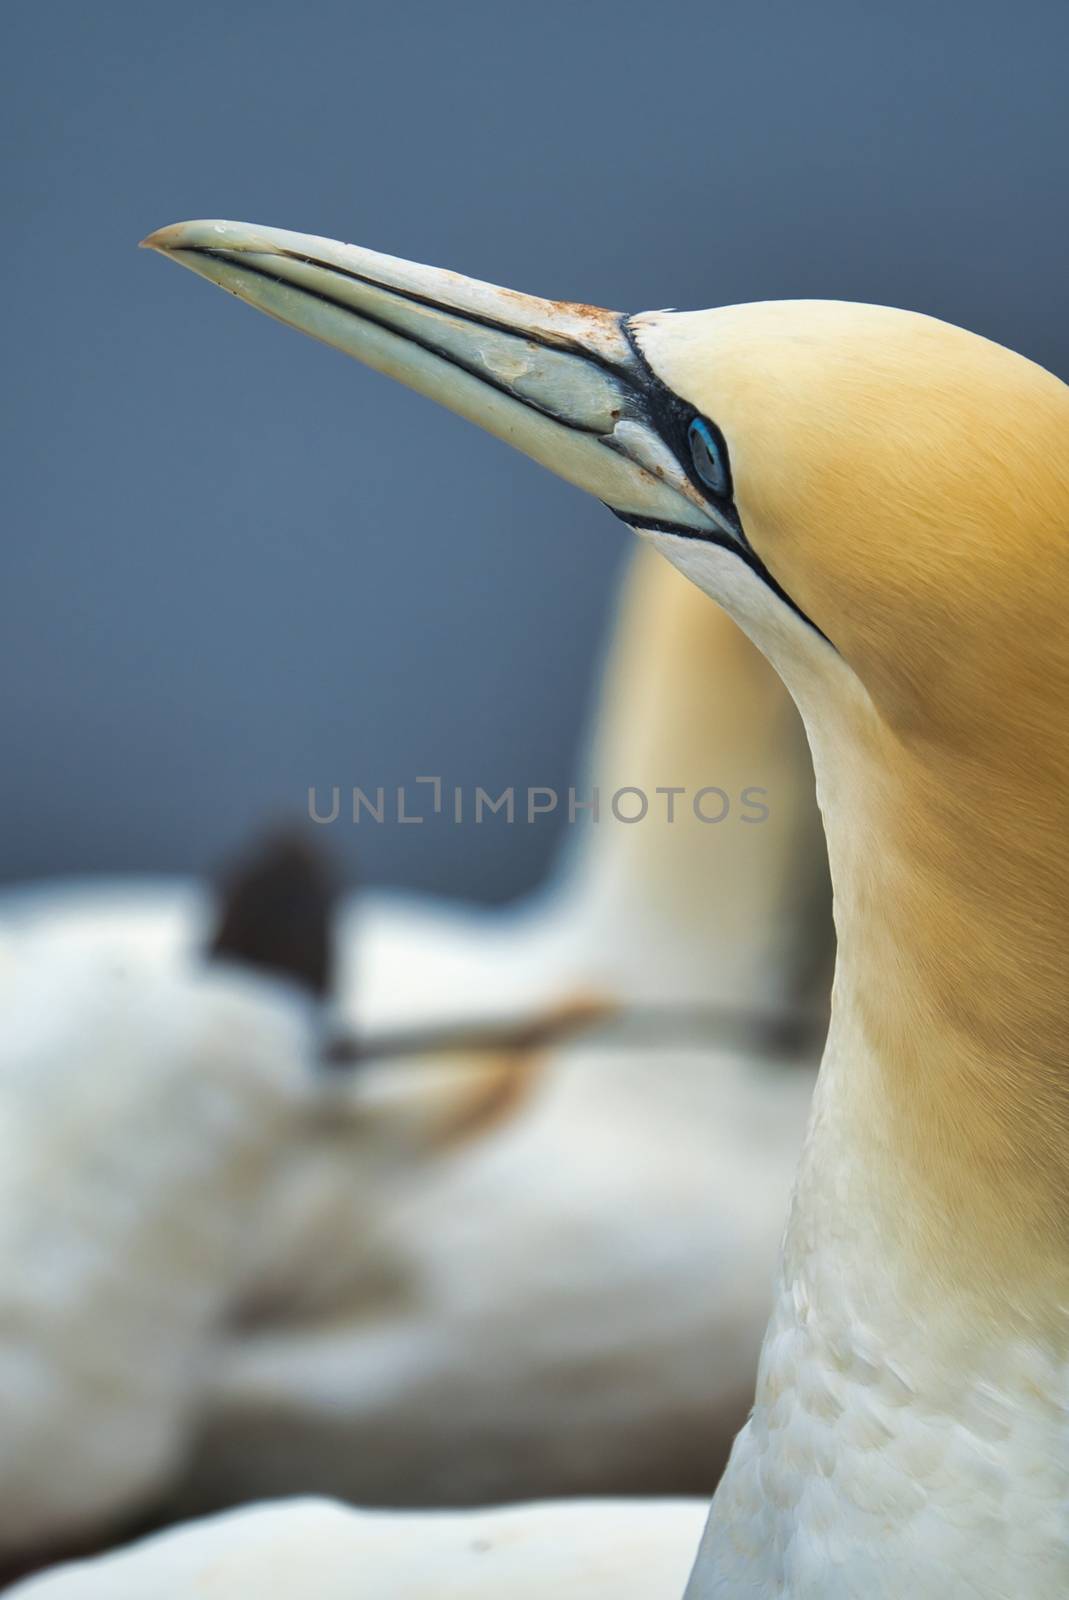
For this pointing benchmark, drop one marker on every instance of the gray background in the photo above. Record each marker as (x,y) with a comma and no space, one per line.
(233,564)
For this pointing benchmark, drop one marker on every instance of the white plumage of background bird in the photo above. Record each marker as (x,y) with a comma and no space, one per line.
(429,1247)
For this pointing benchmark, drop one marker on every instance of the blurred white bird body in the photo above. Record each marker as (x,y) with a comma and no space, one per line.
(526,1314)
(827,472)
(619,1548)
(139,1121)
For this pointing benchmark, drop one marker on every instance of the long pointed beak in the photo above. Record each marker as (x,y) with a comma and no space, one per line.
(562,382)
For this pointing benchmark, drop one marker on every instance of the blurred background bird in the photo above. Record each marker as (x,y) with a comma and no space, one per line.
(581,1179)
(436,1238)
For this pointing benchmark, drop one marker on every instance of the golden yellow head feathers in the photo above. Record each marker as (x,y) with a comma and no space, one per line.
(905,481)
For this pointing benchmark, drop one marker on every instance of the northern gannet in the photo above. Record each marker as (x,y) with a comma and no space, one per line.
(881,500)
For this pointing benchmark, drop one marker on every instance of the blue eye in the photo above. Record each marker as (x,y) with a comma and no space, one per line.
(707,457)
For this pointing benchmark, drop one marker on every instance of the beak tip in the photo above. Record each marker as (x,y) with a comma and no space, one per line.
(163,239)
(210,235)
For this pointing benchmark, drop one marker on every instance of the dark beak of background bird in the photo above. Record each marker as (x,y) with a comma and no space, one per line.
(564,383)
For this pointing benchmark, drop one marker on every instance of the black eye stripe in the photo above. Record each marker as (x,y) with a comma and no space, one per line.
(673,420)
(723,541)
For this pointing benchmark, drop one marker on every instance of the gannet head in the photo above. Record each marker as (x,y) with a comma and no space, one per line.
(901,480)
(878,497)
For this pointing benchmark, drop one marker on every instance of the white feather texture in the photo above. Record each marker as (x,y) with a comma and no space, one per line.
(142,1115)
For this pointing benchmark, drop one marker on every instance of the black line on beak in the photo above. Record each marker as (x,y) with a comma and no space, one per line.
(491,382)
(651,401)
(481,318)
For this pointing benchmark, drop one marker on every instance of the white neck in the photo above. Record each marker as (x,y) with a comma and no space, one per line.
(910,1433)
(900,1442)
